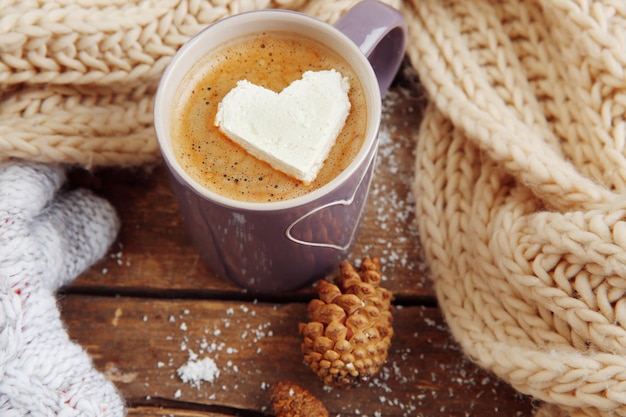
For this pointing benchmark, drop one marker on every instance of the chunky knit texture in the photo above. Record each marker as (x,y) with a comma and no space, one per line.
(520,186)
(46,240)
(77,79)
(520,170)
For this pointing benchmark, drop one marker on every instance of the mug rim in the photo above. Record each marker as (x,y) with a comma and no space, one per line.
(374,107)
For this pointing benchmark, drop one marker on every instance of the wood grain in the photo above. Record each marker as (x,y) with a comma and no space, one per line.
(141,343)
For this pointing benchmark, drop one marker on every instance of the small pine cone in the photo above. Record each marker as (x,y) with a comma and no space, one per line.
(350,328)
(291,400)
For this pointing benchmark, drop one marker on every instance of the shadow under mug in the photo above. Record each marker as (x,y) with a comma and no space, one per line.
(281,246)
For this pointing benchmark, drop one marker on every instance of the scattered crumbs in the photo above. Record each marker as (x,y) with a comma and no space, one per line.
(391,205)
(118,257)
(208,354)
(196,371)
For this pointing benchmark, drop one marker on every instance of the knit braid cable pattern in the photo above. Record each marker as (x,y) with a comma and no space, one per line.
(520,180)
(77,79)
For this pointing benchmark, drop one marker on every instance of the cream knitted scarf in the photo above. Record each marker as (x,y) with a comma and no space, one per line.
(520,182)
(520,168)
(77,77)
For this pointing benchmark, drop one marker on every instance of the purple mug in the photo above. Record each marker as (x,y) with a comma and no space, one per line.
(281,246)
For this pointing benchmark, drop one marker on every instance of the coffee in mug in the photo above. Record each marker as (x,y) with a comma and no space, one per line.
(279,234)
(272,60)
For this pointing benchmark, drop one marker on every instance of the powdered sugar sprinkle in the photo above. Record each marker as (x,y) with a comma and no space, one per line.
(195,371)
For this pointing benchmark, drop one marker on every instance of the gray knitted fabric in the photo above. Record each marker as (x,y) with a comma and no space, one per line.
(47,238)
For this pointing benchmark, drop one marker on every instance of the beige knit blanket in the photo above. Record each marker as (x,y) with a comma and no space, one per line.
(520,169)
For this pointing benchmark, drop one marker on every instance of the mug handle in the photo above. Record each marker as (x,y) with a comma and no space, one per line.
(380,32)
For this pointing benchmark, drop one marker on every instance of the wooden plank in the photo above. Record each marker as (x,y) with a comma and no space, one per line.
(153,243)
(144,411)
(141,343)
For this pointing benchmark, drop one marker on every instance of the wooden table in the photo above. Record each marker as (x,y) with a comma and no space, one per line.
(151,306)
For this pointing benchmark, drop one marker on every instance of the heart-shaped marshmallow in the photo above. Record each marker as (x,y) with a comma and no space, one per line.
(293,130)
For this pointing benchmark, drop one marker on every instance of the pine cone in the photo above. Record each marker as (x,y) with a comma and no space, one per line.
(291,400)
(349,335)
